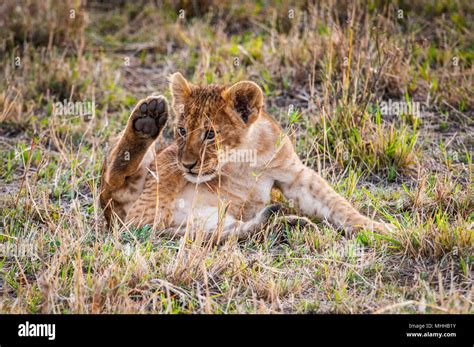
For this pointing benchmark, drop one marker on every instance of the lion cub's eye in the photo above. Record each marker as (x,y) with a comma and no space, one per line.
(210,134)
(182,132)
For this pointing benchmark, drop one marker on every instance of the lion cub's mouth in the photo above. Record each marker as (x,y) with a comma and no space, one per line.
(201,177)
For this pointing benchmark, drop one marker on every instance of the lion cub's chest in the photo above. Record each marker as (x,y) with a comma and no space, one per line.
(248,194)
(242,197)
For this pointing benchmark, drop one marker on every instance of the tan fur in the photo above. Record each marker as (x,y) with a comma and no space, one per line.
(187,184)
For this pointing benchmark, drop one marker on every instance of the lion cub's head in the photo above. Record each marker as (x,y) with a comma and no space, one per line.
(209,120)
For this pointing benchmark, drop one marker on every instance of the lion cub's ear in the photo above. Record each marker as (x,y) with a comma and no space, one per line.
(180,89)
(246,99)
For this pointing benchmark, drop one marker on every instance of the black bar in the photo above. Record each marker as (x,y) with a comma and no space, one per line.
(304,330)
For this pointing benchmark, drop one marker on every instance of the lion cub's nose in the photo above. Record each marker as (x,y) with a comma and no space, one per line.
(188,165)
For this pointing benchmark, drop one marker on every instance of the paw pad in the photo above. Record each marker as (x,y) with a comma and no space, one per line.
(150,116)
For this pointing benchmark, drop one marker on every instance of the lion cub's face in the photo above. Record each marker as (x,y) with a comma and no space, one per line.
(209,120)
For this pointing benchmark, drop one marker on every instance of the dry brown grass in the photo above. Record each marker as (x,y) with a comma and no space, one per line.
(323,79)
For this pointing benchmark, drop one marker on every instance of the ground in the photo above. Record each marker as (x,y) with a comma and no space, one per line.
(378,97)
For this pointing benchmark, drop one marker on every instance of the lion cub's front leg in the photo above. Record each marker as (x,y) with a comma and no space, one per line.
(124,169)
(316,198)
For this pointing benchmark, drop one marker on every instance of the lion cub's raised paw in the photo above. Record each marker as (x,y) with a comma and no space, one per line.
(149,117)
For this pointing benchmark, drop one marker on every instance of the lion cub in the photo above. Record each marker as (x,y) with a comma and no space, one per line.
(218,173)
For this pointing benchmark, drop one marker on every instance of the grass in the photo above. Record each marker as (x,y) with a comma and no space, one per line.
(327,70)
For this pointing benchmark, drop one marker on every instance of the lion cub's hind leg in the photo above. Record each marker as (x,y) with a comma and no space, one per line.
(244,230)
(125,167)
(232,227)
